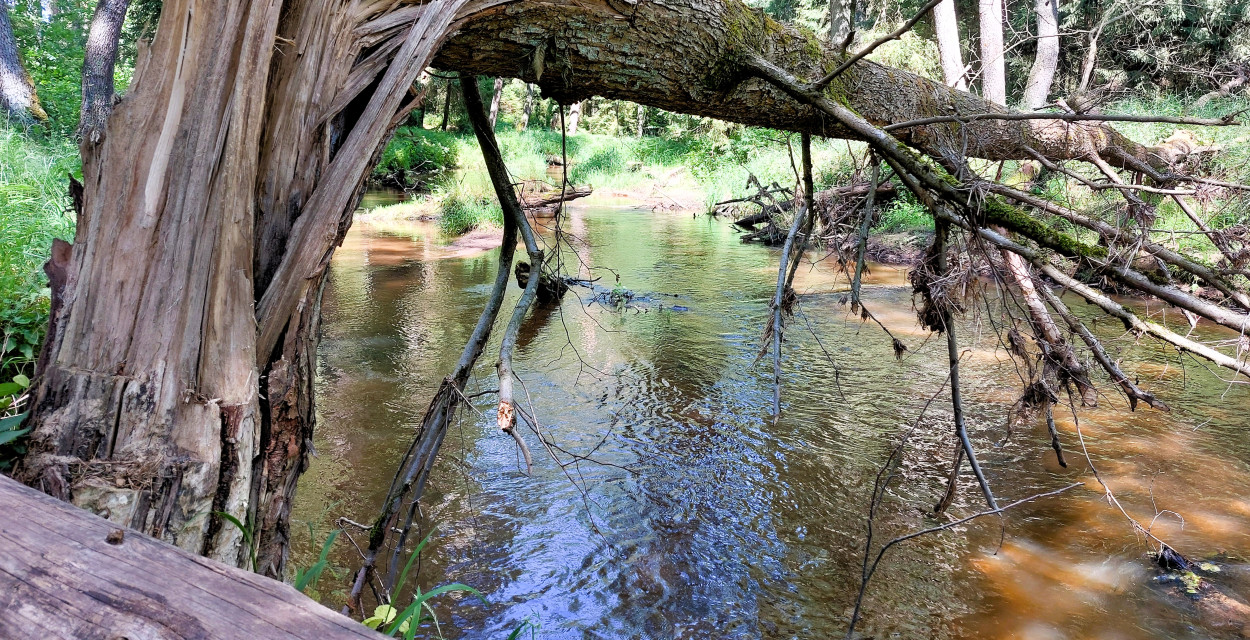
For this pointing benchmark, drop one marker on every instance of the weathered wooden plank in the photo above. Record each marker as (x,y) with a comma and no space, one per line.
(65,573)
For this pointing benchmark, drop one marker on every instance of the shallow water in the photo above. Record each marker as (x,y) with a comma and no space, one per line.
(708,520)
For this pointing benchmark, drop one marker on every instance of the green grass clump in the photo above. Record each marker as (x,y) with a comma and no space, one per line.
(463,213)
(414,152)
(902,215)
(34,209)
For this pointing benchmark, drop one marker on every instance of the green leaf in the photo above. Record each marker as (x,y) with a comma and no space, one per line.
(403,576)
(304,578)
(9,436)
(22,380)
(422,597)
(11,422)
(383,614)
(10,388)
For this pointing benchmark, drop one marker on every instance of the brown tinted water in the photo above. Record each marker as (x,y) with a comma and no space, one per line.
(707,519)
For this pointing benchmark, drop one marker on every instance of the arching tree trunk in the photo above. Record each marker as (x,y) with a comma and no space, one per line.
(946,25)
(18,101)
(993,63)
(1042,75)
(178,375)
(97,67)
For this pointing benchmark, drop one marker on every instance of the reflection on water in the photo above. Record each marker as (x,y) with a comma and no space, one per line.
(706,519)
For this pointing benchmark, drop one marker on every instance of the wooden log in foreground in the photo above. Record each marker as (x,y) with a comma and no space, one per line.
(65,573)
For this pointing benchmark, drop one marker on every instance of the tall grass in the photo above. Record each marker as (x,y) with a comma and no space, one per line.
(34,209)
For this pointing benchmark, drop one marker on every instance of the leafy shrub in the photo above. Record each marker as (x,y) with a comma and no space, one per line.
(463,213)
(415,151)
(606,160)
(34,209)
(904,214)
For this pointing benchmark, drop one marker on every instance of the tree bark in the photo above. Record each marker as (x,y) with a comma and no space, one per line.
(841,23)
(993,64)
(178,376)
(446,107)
(97,67)
(18,100)
(946,25)
(1042,75)
(698,69)
(494,102)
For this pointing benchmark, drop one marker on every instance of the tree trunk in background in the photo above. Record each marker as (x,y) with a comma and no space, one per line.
(946,25)
(575,116)
(494,102)
(529,106)
(841,23)
(18,101)
(1091,57)
(97,67)
(446,107)
(1042,75)
(993,64)
(642,119)
(178,370)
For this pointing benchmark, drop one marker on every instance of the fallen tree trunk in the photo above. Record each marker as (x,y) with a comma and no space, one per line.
(66,574)
(696,63)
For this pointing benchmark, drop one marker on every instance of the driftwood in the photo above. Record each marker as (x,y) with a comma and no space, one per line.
(832,206)
(555,197)
(65,573)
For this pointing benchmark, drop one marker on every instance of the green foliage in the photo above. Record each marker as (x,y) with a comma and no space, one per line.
(34,209)
(306,578)
(12,396)
(902,215)
(465,212)
(607,160)
(406,623)
(414,152)
(248,531)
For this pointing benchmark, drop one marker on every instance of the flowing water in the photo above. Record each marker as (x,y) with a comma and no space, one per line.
(689,513)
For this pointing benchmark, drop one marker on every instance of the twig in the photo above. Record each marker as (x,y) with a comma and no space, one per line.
(873,568)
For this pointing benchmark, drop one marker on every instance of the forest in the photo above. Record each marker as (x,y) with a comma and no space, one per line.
(624,318)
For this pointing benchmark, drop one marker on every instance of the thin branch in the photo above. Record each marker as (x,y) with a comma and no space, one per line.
(1065,117)
(949,525)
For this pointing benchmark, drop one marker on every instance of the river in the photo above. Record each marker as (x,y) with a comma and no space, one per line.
(698,516)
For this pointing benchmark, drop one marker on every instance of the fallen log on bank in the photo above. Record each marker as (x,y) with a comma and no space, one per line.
(65,573)
(548,203)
